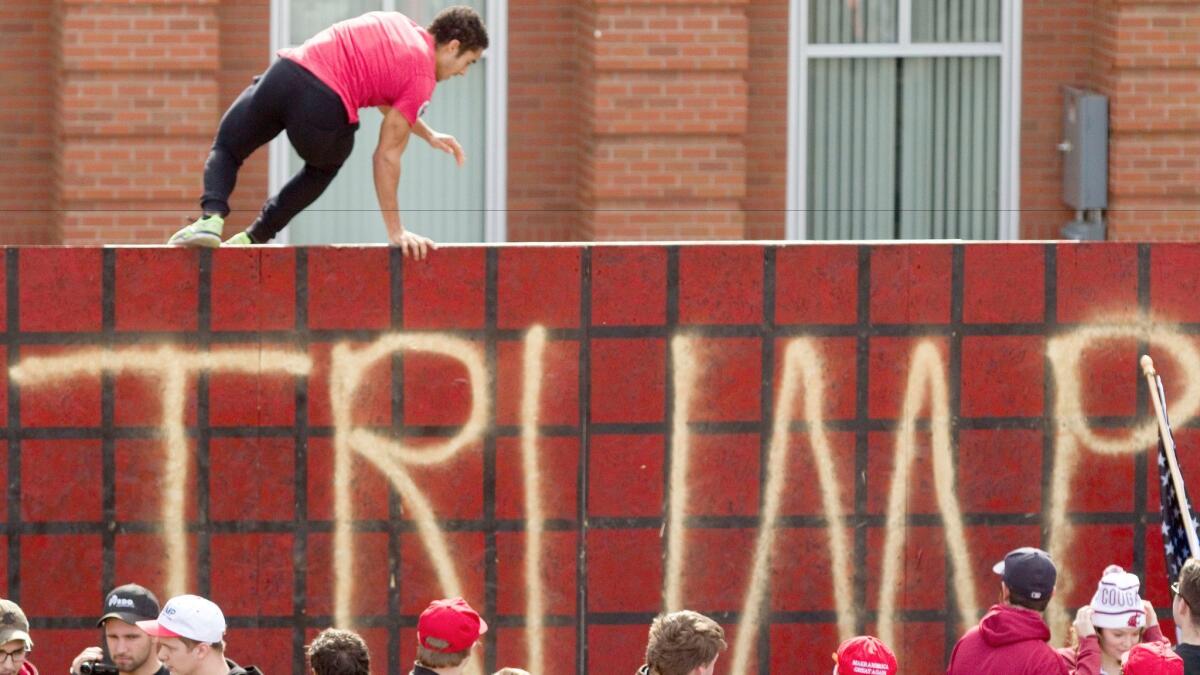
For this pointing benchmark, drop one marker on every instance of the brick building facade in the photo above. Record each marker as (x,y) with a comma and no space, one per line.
(627,119)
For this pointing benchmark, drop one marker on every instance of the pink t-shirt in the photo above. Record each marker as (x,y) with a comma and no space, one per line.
(379,58)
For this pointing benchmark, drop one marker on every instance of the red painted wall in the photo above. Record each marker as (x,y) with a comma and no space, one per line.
(1154,168)
(86,465)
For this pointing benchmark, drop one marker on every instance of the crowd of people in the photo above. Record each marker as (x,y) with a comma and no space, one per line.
(187,637)
(1117,633)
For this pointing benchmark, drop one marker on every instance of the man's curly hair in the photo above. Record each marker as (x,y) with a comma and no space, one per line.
(460,23)
(683,641)
(339,652)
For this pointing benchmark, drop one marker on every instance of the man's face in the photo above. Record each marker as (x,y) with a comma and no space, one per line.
(12,657)
(128,645)
(177,657)
(450,63)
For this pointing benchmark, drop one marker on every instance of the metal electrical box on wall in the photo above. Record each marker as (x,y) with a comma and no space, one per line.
(1085,149)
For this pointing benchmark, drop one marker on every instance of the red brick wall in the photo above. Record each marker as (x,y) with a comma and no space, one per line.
(628,119)
(1148,63)
(142,88)
(1058,37)
(766,120)
(26,122)
(544,117)
(136,97)
(667,158)
(585,32)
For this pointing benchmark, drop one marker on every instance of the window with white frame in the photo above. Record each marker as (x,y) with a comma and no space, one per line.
(437,198)
(904,119)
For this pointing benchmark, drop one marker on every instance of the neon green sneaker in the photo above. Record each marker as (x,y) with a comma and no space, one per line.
(239,239)
(206,232)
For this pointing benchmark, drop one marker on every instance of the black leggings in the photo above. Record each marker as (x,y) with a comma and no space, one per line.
(287,97)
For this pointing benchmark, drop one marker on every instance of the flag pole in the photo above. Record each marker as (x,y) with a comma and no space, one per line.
(1164,432)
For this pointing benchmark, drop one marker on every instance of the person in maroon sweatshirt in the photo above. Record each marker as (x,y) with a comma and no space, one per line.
(1011,639)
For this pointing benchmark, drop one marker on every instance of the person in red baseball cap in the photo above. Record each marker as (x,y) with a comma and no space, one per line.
(864,655)
(446,631)
(1152,658)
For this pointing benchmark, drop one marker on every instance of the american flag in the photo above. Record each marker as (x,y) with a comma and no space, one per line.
(1175,541)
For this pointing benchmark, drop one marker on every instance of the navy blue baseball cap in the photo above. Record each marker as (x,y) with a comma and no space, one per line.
(1029,572)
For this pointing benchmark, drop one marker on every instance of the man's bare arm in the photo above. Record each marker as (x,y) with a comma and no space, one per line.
(393,139)
(421,129)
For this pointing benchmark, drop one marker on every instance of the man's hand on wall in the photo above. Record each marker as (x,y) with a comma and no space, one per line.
(411,243)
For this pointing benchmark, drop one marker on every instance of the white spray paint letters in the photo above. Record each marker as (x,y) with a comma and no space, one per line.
(170,368)
(800,395)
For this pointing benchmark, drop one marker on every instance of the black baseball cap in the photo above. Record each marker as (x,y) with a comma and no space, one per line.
(1028,572)
(130,603)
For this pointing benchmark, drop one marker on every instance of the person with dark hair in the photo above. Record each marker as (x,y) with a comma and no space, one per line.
(1011,639)
(130,649)
(683,643)
(1116,619)
(1185,609)
(339,652)
(314,92)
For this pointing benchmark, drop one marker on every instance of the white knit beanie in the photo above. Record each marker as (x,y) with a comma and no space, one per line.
(1116,603)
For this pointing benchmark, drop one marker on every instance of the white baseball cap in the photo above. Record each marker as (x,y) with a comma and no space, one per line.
(188,616)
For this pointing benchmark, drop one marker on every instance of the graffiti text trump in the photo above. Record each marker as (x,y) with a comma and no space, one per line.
(799,396)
